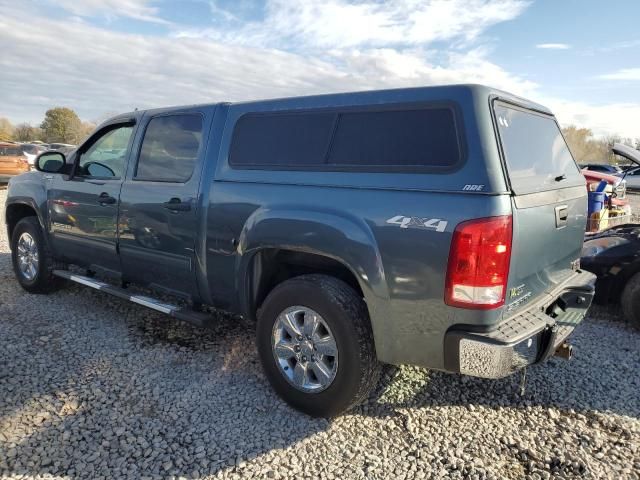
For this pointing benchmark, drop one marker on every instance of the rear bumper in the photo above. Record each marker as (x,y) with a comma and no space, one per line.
(529,337)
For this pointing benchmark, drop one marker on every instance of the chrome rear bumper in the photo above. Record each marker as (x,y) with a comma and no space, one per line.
(527,338)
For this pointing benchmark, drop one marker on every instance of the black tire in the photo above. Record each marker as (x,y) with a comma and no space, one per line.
(346,314)
(44,281)
(630,301)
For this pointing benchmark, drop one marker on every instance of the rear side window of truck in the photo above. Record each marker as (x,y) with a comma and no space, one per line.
(170,148)
(412,138)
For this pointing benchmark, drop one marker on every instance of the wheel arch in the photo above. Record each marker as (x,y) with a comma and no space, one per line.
(18,210)
(268,267)
(280,243)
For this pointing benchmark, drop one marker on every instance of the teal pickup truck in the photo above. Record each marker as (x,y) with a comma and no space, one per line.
(436,226)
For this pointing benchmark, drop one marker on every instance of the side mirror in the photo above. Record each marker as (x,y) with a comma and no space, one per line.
(50,162)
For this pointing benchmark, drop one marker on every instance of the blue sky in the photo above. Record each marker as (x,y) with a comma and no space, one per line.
(99,57)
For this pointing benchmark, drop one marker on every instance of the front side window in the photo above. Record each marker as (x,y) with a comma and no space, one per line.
(536,154)
(105,158)
(170,148)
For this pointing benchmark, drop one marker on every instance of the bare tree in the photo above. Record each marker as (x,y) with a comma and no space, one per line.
(584,147)
(25,132)
(6,130)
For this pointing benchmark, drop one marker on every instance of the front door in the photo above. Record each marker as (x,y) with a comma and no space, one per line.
(83,208)
(158,218)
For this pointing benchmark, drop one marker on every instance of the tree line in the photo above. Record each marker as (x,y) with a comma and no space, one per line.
(586,148)
(60,125)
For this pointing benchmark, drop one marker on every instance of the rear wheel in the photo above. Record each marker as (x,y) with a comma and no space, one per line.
(630,301)
(32,260)
(316,345)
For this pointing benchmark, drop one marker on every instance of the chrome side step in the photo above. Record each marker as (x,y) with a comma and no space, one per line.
(197,318)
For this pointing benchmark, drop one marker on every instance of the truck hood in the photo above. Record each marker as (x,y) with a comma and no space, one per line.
(627,152)
(610,246)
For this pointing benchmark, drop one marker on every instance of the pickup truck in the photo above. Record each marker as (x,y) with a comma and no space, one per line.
(434,226)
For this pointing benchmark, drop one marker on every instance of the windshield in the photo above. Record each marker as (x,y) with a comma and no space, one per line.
(536,154)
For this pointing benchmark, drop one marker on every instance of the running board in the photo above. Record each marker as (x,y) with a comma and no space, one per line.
(198,318)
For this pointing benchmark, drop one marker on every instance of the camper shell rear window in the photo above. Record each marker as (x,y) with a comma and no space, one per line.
(536,154)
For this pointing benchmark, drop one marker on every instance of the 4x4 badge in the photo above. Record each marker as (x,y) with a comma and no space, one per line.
(437,224)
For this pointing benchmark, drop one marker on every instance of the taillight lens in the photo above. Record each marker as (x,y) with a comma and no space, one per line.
(479,263)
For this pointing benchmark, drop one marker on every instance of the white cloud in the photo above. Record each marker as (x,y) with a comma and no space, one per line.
(341,24)
(623,74)
(136,9)
(553,46)
(95,70)
(612,119)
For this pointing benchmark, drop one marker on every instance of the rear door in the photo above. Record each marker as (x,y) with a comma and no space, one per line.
(549,202)
(158,212)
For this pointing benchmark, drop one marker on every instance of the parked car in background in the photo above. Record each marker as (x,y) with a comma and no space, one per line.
(64,148)
(614,256)
(32,150)
(632,177)
(61,146)
(603,168)
(12,161)
(632,173)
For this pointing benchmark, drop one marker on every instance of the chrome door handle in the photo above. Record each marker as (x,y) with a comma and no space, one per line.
(106,199)
(177,205)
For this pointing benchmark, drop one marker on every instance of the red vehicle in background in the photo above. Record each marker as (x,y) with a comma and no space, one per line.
(12,161)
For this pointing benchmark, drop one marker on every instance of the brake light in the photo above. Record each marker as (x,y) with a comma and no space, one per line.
(478,266)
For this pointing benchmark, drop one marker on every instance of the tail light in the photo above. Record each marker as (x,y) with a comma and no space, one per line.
(479,263)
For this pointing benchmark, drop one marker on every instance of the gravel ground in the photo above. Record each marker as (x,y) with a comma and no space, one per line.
(634,201)
(94,387)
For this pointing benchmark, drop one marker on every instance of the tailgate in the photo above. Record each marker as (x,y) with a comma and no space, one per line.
(548,231)
(549,203)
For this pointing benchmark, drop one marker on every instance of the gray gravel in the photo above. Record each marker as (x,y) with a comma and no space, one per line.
(94,387)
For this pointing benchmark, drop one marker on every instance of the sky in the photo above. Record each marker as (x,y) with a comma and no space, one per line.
(581,58)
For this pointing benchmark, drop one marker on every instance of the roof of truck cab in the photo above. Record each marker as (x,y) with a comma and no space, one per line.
(395,95)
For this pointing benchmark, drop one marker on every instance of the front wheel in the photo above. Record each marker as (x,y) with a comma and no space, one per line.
(32,260)
(316,345)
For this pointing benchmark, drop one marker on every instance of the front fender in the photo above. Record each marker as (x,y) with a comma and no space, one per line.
(27,189)
(332,234)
